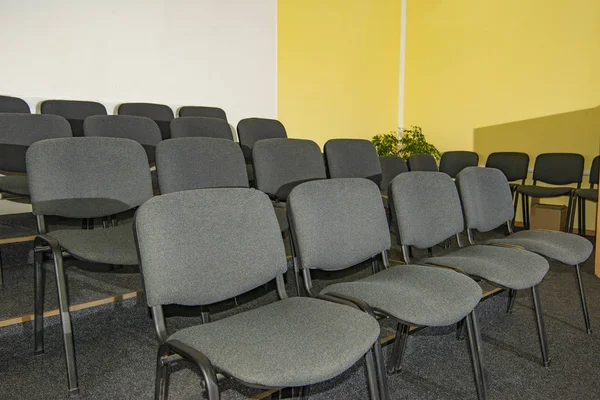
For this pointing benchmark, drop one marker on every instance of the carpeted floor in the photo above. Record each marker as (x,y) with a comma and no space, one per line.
(116,345)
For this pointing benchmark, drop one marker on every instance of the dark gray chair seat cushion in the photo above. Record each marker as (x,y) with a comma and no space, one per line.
(543,191)
(110,246)
(561,246)
(294,342)
(588,194)
(508,267)
(14,184)
(419,295)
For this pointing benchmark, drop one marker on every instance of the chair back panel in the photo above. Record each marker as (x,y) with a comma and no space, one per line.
(352,158)
(159,113)
(558,168)
(199,247)
(422,162)
(9,104)
(202,111)
(594,171)
(391,166)
(452,162)
(201,127)
(251,130)
(513,165)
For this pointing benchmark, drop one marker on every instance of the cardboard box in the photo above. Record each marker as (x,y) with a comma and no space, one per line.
(548,217)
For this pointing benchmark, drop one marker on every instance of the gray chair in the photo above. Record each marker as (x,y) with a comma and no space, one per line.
(88,177)
(74,111)
(558,169)
(293,342)
(199,163)
(339,223)
(514,166)
(159,113)
(428,211)
(486,202)
(352,158)
(202,111)
(584,195)
(452,162)
(251,130)
(9,104)
(422,162)
(201,127)
(391,166)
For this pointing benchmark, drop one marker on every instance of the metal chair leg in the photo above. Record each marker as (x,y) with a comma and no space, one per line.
(395,362)
(460,329)
(516,203)
(1,270)
(371,376)
(39,277)
(586,315)
(474,344)
(570,213)
(381,374)
(161,389)
(540,326)
(303,392)
(582,223)
(512,296)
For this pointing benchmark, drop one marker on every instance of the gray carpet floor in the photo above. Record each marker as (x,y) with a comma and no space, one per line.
(116,345)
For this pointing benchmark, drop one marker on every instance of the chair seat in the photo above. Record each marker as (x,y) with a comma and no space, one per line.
(565,247)
(588,194)
(416,294)
(542,191)
(293,342)
(507,267)
(14,184)
(110,246)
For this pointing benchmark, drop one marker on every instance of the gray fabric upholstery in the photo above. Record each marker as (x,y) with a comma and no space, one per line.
(485,197)
(9,104)
(543,191)
(509,267)
(113,170)
(294,342)
(198,163)
(452,162)
(201,127)
(14,184)
(391,166)
(513,165)
(558,168)
(159,113)
(588,194)
(337,223)
(352,158)
(203,246)
(281,214)
(114,245)
(419,295)
(141,129)
(565,247)
(73,109)
(202,111)
(19,131)
(281,164)
(427,208)
(422,162)
(251,130)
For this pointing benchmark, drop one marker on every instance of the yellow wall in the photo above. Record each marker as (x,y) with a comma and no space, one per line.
(338,64)
(473,63)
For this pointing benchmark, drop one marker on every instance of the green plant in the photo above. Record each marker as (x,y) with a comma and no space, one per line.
(387,144)
(413,142)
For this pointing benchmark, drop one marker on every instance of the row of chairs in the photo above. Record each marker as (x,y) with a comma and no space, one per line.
(69,180)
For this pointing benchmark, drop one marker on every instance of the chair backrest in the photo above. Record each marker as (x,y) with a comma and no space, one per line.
(282,164)
(74,111)
(391,166)
(452,162)
(201,127)
(594,171)
(513,165)
(486,198)
(19,131)
(199,247)
(141,129)
(352,158)
(427,208)
(337,223)
(199,163)
(422,162)
(251,130)
(558,168)
(87,177)
(202,111)
(10,104)
(159,113)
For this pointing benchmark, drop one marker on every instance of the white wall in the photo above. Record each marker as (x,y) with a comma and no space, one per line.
(177,52)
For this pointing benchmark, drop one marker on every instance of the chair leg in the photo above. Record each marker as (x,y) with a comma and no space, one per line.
(395,362)
(1,270)
(381,374)
(540,326)
(525,209)
(161,389)
(582,223)
(39,277)
(512,296)
(371,376)
(303,392)
(586,316)
(516,204)
(570,213)
(474,344)
(460,329)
